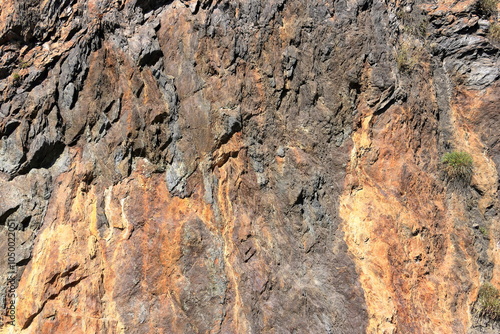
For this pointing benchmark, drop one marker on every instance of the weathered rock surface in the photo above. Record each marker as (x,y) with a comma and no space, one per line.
(248,166)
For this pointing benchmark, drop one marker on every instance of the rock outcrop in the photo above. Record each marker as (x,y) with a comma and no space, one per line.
(250,166)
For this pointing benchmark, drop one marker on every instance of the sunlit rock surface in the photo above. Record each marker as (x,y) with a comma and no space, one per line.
(248,166)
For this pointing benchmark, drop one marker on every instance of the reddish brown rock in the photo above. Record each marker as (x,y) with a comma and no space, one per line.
(247,166)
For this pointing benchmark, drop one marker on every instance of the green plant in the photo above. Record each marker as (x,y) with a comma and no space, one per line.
(16,78)
(483,231)
(488,7)
(404,59)
(411,56)
(489,301)
(414,22)
(457,165)
(422,27)
(494,32)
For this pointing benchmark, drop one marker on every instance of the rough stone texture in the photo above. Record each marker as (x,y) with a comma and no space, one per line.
(248,166)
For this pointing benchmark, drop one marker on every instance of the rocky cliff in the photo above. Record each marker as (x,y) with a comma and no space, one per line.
(248,166)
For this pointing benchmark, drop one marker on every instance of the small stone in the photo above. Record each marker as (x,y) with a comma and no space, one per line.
(280,152)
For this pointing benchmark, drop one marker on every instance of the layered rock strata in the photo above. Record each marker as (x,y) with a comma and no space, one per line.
(247,166)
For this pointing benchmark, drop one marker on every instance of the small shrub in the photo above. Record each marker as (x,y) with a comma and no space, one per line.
(457,165)
(489,301)
(483,231)
(422,27)
(405,59)
(415,23)
(494,32)
(402,60)
(410,57)
(16,79)
(488,7)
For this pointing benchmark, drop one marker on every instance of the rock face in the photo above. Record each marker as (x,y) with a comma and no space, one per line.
(247,166)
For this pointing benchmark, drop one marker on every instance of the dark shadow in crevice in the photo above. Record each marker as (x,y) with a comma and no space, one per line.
(151,58)
(45,157)
(6,214)
(25,223)
(9,128)
(23,262)
(152,5)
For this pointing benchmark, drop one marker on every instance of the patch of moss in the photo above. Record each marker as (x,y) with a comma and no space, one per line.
(24,64)
(494,32)
(457,165)
(489,301)
(16,79)
(405,59)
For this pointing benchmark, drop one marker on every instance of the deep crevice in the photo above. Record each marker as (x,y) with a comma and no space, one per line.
(6,214)
(152,5)
(45,157)
(10,128)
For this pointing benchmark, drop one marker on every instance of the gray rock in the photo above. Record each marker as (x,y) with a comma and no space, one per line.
(11,152)
(143,46)
(68,96)
(482,72)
